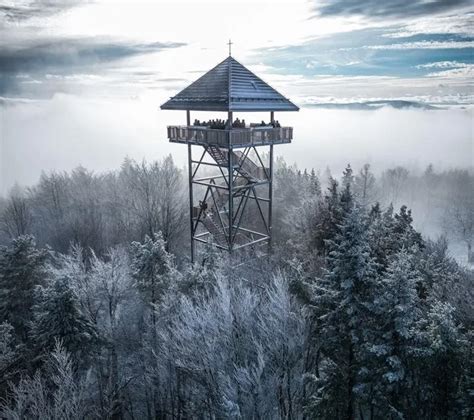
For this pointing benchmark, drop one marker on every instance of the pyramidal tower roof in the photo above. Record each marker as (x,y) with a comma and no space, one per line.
(229,87)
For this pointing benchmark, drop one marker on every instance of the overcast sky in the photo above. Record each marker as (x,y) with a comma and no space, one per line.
(69,68)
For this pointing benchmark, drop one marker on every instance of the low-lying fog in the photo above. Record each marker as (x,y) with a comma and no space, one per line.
(66,131)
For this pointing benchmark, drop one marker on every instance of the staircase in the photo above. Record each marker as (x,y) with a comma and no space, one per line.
(245,166)
(213,225)
(218,155)
(249,173)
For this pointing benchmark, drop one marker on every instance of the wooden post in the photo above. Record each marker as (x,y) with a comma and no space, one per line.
(272,116)
(188,117)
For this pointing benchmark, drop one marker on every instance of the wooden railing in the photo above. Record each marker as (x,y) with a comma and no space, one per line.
(236,137)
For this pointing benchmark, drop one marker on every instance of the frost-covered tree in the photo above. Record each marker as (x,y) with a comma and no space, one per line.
(58,316)
(445,280)
(445,379)
(113,285)
(365,186)
(7,347)
(344,307)
(391,355)
(152,267)
(22,267)
(8,355)
(15,216)
(394,182)
(314,185)
(54,394)
(347,196)
(201,278)
(236,352)
(403,231)
(154,197)
(458,218)
(331,211)
(381,238)
(389,233)
(76,268)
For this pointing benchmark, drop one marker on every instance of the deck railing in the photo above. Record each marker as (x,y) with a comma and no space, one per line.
(235,137)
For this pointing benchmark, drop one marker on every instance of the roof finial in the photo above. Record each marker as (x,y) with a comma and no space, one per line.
(230,47)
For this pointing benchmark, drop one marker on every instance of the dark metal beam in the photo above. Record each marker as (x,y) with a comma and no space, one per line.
(207,184)
(191,202)
(230,170)
(270,200)
(260,211)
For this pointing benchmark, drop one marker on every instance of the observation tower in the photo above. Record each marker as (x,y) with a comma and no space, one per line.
(231,178)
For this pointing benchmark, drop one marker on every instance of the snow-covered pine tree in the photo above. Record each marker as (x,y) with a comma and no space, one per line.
(347,197)
(152,267)
(389,233)
(391,356)
(381,239)
(201,278)
(445,379)
(332,210)
(314,187)
(344,307)
(404,232)
(58,316)
(22,268)
(8,355)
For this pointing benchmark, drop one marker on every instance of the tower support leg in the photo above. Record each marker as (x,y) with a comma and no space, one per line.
(191,203)
(230,171)
(270,199)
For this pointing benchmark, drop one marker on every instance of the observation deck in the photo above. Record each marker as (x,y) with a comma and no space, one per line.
(233,138)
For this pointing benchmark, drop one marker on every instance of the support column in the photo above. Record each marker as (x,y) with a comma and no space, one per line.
(230,170)
(270,200)
(231,183)
(190,176)
(191,203)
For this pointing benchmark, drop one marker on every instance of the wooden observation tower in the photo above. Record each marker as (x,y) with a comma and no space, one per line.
(232,208)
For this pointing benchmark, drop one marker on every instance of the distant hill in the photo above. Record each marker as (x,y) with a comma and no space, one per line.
(371,105)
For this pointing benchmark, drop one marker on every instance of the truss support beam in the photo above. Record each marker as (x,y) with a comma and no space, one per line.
(235,208)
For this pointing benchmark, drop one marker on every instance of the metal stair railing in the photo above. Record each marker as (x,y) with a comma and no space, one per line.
(247,167)
(214,228)
(218,155)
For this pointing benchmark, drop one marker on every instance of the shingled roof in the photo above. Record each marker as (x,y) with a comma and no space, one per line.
(230,87)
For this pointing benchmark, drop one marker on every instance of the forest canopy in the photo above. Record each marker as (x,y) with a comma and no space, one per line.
(357,313)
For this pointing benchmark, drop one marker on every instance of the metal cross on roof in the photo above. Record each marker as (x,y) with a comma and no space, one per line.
(230,47)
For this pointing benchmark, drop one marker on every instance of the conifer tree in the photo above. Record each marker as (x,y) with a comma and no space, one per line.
(22,268)
(151,267)
(445,378)
(57,316)
(391,354)
(344,302)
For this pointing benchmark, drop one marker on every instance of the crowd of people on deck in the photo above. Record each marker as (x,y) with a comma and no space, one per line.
(220,124)
(217,124)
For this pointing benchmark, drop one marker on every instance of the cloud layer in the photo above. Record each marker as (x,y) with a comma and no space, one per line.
(21,10)
(387,8)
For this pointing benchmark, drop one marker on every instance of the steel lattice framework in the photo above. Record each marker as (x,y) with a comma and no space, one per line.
(235,202)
